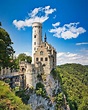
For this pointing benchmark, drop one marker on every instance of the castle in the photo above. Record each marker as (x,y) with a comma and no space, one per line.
(39,71)
(43,60)
(43,57)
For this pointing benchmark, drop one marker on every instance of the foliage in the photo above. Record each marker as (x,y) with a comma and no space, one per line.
(40,90)
(59,101)
(39,85)
(24,95)
(74,81)
(22,57)
(6,49)
(54,73)
(8,100)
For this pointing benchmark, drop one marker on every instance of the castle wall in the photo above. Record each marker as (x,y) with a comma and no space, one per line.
(42,56)
(28,75)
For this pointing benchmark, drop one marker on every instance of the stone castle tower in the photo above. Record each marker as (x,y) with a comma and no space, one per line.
(36,37)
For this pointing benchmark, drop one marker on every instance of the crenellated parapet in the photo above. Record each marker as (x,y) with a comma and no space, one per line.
(5,71)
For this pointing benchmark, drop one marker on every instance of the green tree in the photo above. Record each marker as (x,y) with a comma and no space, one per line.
(59,101)
(40,90)
(22,57)
(6,49)
(74,83)
(9,101)
(84,104)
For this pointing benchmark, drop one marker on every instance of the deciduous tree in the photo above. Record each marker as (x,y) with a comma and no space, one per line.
(6,49)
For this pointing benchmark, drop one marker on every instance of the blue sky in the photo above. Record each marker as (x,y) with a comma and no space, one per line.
(64,21)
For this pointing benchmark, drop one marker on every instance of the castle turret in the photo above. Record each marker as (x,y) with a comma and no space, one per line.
(36,37)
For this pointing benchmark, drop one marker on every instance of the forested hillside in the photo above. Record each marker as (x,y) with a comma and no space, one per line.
(74,82)
(8,100)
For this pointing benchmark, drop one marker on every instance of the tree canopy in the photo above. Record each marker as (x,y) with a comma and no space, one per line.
(6,49)
(9,101)
(74,82)
(22,57)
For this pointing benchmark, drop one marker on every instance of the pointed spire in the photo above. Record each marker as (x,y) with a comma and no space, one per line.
(0,24)
(45,38)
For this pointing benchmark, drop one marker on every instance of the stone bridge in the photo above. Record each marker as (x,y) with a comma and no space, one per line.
(15,79)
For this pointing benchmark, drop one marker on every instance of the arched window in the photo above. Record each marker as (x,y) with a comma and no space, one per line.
(34,36)
(41,53)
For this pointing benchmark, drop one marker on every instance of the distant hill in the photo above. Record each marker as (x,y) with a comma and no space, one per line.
(8,100)
(74,82)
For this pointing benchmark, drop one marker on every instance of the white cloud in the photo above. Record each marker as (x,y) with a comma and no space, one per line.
(67,31)
(37,15)
(34,12)
(19,24)
(67,57)
(48,10)
(82,43)
(56,24)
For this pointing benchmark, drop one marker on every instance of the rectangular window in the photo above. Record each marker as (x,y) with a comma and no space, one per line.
(36,59)
(34,36)
(46,59)
(41,59)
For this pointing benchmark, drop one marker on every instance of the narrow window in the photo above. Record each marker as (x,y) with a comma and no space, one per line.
(34,43)
(41,59)
(36,59)
(46,59)
(34,36)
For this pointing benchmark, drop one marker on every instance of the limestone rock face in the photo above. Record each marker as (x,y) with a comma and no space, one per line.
(51,85)
(40,103)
